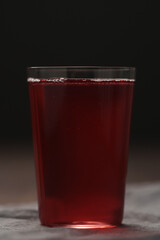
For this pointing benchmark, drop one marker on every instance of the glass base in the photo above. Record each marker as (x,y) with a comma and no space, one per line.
(84,225)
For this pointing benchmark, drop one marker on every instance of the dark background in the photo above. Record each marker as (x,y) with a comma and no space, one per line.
(113,33)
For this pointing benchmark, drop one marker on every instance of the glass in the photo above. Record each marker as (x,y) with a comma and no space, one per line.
(81,124)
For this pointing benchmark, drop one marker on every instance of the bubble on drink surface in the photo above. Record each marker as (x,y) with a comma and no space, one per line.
(81,79)
(46,80)
(33,80)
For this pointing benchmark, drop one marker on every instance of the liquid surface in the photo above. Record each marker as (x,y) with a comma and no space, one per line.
(81,136)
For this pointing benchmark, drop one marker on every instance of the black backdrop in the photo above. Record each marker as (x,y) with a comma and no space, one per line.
(79,33)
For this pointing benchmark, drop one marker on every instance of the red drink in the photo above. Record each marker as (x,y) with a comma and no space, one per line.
(81,137)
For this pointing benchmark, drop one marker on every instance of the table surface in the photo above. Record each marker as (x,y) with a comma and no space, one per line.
(141,220)
(18,209)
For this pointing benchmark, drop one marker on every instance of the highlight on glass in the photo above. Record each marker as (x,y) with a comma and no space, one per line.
(81,125)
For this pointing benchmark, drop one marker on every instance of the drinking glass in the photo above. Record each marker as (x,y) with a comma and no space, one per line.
(81,125)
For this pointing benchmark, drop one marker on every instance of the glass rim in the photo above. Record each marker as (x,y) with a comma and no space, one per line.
(59,73)
(83,67)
